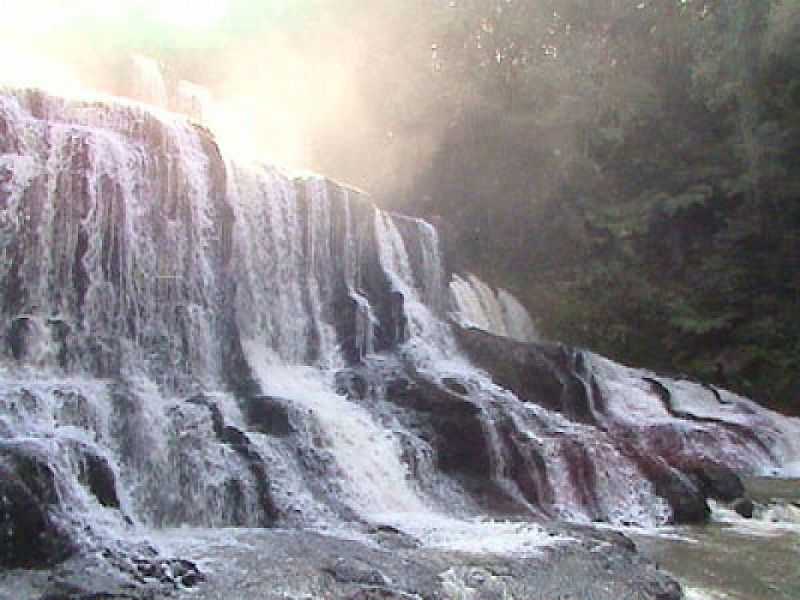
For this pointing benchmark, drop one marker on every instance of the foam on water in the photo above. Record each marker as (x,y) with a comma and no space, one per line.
(769,521)
(475,535)
(372,475)
(692,593)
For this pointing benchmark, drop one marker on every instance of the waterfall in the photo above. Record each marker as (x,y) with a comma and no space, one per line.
(499,312)
(519,324)
(147,82)
(224,344)
(428,335)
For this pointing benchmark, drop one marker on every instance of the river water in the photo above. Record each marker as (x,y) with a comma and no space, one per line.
(734,558)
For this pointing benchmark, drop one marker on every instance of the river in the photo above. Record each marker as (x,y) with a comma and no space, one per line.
(734,558)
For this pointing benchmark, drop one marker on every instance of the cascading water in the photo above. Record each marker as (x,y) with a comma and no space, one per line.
(219,344)
(147,81)
(500,313)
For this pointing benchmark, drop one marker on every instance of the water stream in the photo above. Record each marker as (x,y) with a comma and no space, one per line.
(733,558)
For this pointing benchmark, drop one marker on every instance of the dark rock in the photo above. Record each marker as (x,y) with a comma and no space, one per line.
(455,386)
(237,370)
(744,507)
(345,319)
(192,579)
(32,469)
(666,590)
(616,538)
(461,441)
(687,501)
(98,475)
(217,421)
(386,529)
(120,574)
(242,445)
(460,435)
(24,330)
(716,481)
(526,465)
(29,537)
(238,439)
(550,375)
(268,415)
(17,336)
(425,396)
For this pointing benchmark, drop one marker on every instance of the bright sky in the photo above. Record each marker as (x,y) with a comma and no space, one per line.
(41,16)
(261,89)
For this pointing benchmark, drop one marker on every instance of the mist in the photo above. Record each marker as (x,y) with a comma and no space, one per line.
(307,85)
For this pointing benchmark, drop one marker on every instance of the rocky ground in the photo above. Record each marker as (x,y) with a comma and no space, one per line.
(383,564)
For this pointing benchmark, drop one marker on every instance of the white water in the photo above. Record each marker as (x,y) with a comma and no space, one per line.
(373,478)
(498,312)
(518,321)
(427,334)
(147,81)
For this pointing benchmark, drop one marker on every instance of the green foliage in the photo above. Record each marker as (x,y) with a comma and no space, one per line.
(630,170)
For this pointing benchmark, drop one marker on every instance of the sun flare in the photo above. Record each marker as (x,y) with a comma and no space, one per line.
(41,16)
(218,62)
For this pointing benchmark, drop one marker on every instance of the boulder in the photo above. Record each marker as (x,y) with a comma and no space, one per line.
(744,507)
(688,503)
(716,481)
(96,474)
(29,537)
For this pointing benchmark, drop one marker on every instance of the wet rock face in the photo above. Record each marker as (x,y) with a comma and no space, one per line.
(261,411)
(670,453)
(267,415)
(550,375)
(687,502)
(95,473)
(29,537)
(716,481)
(125,574)
(316,566)
(458,433)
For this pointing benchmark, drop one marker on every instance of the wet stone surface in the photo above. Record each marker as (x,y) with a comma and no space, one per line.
(281,565)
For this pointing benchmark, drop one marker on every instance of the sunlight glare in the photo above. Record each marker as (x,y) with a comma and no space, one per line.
(39,16)
(29,69)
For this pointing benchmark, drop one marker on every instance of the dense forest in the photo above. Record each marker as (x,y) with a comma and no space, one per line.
(630,168)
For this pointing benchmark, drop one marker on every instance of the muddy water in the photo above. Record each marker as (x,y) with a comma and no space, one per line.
(737,559)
